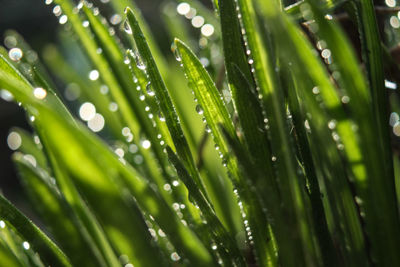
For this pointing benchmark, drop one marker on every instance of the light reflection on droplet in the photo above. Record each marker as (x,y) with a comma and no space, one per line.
(183,8)
(394,22)
(127,27)
(94,75)
(115,19)
(40,93)
(332,124)
(197,21)
(48,2)
(26,245)
(63,19)
(15,54)
(390,3)
(390,85)
(207,30)
(57,10)
(175,256)
(394,117)
(2,224)
(396,128)
(133,148)
(120,152)
(85,23)
(14,140)
(113,107)
(87,111)
(6,95)
(96,124)
(146,144)
(10,41)
(31,159)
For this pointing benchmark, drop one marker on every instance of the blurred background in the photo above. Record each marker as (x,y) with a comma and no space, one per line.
(35,21)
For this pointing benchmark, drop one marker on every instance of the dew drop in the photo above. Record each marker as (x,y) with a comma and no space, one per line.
(40,93)
(87,111)
(273,158)
(127,27)
(96,124)
(332,124)
(94,75)
(175,256)
(113,107)
(2,224)
(115,19)
(183,8)
(15,54)
(207,30)
(199,110)
(149,89)
(146,144)
(197,21)
(14,140)
(26,245)
(63,19)
(6,95)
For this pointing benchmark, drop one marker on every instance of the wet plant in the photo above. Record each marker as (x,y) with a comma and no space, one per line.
(262,139)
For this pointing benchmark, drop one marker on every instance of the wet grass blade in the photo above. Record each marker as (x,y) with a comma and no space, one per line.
(222,237)
(48,250)
(164,100)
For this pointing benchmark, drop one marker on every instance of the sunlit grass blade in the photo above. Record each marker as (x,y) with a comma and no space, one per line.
(48,250)
(262,54)
(164,100)
(41,190)
(215,113)
(7,257)
(222,237)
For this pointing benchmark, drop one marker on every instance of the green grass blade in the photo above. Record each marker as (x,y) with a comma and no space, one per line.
(49,251)
(222,237)
(43,192)
(164,100)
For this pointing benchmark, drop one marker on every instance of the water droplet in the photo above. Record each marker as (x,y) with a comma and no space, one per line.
(10,41)
(332,124)
(345,99)
(119,152)
(48,2)
(149,89)
(2,224)
(94,75)
(146,144)
(6,95)
(183,8)
(57,10)
(161,116)
(31,159)
(113,107)
(115,19)
(207,30)
(199,109)
(214,247)
(85,23)
(273,158)
(394,117)
(87,111)
(207,128)
(167,187)
(63,19)
(133,148)
(15,54)
(104,89)
(197,21)
(315,90)
(175,256)
(14,140)
(96,124)
(26,245)
(127,27)
(40,93)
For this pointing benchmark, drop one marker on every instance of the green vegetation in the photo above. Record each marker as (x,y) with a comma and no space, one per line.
(281,157)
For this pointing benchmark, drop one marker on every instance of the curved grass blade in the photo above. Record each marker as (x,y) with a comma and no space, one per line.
(221,236)
(215,113)
(45,194)
(263,58)
(49,251)
(164,100)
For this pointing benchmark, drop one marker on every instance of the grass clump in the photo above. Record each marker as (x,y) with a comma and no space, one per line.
(291,166)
